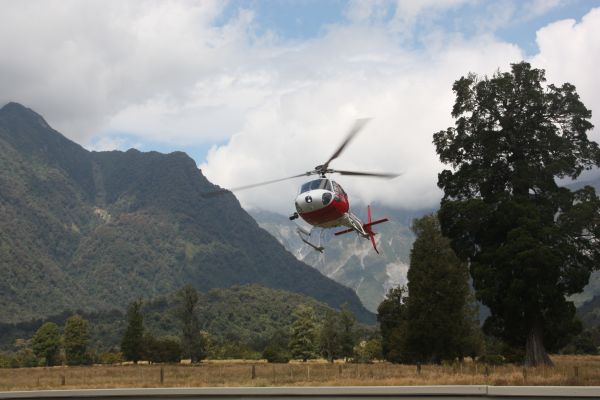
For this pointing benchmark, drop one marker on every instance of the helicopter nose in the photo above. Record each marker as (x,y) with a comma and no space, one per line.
(313,200)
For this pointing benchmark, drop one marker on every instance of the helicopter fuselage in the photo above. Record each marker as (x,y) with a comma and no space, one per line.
(323,203)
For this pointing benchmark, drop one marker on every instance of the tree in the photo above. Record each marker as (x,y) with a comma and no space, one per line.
(348,336)
(132,342)
(330,336)
(46,343)
(76,337)
(368,350)
(529,242)
(391,315)
(192,341)
(438,290)
(303,343)
(471,339)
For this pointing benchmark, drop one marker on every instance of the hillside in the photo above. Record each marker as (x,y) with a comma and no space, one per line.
(349,259)
(96,230)
(248,314)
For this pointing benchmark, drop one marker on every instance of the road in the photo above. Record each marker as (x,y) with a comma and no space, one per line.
(329,393)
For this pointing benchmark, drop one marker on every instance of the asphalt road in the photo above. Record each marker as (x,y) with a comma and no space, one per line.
(329,393)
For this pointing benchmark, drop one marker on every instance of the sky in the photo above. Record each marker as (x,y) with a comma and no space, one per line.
(258,90)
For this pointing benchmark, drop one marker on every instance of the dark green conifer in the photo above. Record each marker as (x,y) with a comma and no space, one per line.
(391,315)
(303,343)
(192,342)
(132,342)
(438,290)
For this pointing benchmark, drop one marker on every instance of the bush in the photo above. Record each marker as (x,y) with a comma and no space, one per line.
(491,359)
(274,354)
(166,349)
(6,361)
(581,344)
(110,357)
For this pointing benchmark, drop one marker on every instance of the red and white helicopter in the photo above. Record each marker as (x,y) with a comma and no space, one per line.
(323,203)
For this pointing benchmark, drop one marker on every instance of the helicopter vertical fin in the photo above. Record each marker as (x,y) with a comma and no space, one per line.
(367,227)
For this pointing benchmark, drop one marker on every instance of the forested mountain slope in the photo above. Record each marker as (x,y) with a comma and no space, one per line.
(96,230)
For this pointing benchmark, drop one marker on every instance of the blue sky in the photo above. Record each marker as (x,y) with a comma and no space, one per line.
(255,90)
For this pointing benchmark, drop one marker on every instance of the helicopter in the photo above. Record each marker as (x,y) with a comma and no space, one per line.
(322,202)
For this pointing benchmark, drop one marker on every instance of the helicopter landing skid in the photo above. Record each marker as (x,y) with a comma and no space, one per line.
(302,232)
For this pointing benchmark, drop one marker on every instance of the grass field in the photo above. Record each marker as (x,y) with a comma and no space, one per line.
(569,370)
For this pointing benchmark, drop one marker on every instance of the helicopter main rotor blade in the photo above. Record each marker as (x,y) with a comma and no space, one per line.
(236,189)
(359,124)
(387,175)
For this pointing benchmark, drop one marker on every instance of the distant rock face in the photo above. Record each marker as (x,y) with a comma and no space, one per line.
(96,230)
(350,259)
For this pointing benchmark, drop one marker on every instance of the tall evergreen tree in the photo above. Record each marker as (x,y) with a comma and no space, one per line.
(46,343)
(76,338)
(192,342)
(529,242)
(133,339)
(438,289)
(391,315)
(303,343)
(348,335)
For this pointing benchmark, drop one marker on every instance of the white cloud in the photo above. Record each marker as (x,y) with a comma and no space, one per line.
(164,72)
(541,7)
(570,52)
(83,64)
(408,95)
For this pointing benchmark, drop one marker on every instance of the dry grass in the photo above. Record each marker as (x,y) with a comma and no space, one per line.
(569,370)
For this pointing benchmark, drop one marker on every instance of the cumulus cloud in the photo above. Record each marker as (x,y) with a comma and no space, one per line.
(570,52)
(179,72)
(351,74)
(95,64)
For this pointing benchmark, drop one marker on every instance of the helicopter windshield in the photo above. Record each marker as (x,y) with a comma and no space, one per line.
(316,184)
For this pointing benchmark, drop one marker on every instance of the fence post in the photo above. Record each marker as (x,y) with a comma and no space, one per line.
(340,370)
(253,371)
(524,374)
(418,368)
(162,375)
(307,372)
(576,372)
(63,380)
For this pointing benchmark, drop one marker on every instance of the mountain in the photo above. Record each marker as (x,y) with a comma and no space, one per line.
(96,230)
(350,259)
(249,314)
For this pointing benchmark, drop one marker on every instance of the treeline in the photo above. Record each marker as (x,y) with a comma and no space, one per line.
(49,346)
(435,318)
(310,330)
(336,335)
(529,243)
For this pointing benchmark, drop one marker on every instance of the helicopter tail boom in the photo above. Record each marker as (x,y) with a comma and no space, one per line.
(367,232)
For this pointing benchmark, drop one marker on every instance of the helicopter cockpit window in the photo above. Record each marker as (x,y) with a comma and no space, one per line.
(325,184)
(316,184)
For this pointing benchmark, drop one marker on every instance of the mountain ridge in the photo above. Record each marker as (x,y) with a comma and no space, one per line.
(98,229)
